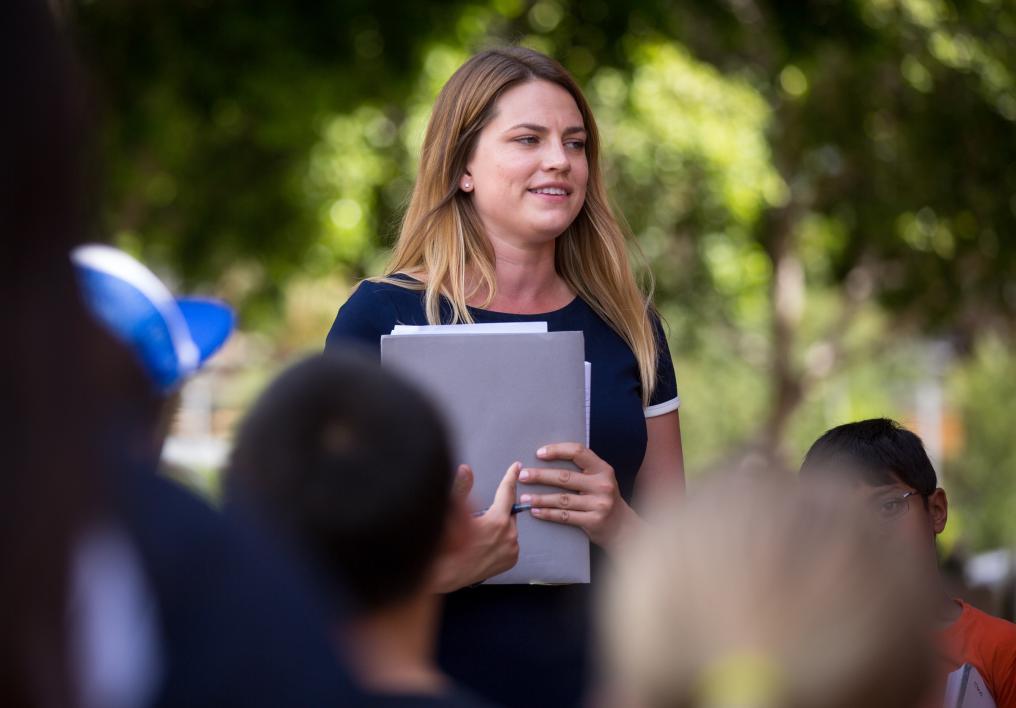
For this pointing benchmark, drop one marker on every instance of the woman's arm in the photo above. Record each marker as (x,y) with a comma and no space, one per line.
(662,468)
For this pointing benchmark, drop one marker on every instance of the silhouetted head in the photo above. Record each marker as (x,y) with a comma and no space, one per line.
(354,464)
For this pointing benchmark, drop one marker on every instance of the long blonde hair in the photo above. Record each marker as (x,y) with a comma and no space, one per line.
(758,591)
(442,234)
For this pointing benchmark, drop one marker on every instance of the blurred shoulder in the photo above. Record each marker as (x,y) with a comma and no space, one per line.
(1003,629)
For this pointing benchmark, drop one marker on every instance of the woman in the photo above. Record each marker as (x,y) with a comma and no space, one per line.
(509,221)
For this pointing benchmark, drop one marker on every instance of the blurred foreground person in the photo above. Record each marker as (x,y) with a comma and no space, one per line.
(170,337)
(353,466)
(117,588)
(760,594)
(886,469)
(172,603)
(50,413)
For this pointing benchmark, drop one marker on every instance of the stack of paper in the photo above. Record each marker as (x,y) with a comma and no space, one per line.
(506,390)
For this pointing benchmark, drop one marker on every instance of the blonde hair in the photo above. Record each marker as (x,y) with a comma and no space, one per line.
(759,593)
(442,234)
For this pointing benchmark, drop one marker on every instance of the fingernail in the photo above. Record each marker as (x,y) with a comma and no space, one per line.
(541,452)
(524,475)
(535,511)
(526,499)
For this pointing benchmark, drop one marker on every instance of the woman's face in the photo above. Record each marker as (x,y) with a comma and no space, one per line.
(528,172)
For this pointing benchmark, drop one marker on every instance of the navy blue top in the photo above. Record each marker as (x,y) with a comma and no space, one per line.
(523,645)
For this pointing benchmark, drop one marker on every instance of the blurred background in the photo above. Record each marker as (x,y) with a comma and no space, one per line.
(825,191)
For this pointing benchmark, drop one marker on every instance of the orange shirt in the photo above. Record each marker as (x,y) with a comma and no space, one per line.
(987,642)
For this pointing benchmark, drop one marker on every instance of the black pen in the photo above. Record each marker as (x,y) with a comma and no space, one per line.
(516,509)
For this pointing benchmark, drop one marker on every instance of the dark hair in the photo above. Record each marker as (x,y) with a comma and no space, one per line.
(879,451)
(63,377)
(354,465)
(47,362)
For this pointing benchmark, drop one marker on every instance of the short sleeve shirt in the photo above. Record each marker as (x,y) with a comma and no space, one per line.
(989,644)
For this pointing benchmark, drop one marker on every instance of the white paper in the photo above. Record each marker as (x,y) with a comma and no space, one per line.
(966,689)
(479,328)
(589,394)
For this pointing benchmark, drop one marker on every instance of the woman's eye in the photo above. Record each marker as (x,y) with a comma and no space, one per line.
(576,144)
(527,140)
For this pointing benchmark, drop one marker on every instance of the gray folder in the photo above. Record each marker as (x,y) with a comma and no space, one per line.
(504,396)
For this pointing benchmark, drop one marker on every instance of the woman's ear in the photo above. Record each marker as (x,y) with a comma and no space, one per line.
(466,182)
(938,510)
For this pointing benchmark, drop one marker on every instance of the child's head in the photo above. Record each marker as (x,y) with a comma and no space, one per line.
(169,337)
(877,452)
(354,465)
(888,471)
(759,592)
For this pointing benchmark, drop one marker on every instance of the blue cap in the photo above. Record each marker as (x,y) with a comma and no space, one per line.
(172,337)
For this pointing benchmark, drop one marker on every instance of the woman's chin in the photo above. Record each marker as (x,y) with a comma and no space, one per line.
(547,236)
(548,230)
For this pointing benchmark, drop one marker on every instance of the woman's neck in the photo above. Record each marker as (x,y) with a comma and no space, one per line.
(527,279)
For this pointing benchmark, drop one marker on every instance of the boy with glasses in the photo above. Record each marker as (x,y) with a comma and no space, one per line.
(888,469)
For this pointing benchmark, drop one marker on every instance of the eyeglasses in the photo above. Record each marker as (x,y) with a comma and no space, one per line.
(888,510)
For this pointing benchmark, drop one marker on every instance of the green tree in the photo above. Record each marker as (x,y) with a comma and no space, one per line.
(819,187)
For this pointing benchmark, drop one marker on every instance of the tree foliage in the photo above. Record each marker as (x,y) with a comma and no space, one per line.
(819,187)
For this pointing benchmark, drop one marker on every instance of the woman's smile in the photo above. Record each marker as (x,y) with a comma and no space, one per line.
(553,193)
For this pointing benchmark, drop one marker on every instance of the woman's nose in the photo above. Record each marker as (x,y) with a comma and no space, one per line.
(555,157)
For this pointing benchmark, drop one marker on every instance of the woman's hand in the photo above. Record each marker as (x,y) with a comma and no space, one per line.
(493,546)
(589,499)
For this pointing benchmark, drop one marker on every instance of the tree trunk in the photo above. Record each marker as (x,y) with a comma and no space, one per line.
(787,294)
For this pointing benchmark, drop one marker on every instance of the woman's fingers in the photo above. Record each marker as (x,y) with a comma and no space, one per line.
(462,485)
(571,502)
(582,519)
(574,480)
(504,497)
(582,456)
(589,497)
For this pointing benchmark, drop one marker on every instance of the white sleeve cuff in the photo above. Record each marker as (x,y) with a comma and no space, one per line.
(666,407)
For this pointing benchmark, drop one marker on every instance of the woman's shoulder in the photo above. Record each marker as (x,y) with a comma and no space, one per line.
(373,308)
(397,281)
(385,292)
